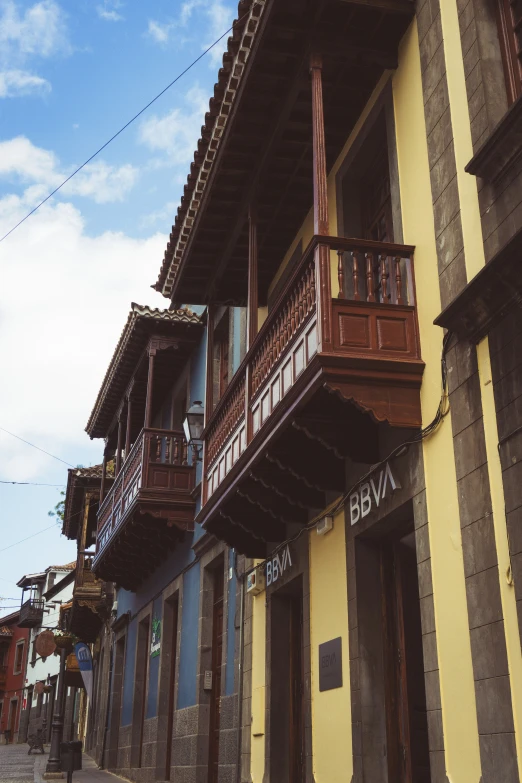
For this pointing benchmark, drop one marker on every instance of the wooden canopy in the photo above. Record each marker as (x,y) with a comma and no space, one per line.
(256,144)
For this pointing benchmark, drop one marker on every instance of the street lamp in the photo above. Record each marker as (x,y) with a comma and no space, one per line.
(193,427)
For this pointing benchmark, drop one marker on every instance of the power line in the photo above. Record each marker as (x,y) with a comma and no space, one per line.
(26,539)
(178,77)
(37,447)
(31,484)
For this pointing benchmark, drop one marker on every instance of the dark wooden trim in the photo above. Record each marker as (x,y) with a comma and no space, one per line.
(129,423)
(150,381)
(321,225)
(118,446)
(502,148)
(253,298)
(489,296)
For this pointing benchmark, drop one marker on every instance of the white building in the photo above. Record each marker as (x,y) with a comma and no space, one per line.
(43,612)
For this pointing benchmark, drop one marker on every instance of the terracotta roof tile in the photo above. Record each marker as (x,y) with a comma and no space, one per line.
(5,631)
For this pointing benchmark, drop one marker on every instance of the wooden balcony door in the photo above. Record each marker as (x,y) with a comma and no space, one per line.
(217,657)
(406,719)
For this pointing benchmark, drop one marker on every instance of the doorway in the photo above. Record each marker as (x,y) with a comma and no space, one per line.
(11,720)
(406,719)
(287,685)
(170,626)
(217,658)
(140,691)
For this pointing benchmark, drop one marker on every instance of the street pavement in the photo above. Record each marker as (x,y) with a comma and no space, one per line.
(16,766)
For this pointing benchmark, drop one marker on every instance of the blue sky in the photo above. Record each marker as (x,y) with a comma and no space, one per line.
(71,74)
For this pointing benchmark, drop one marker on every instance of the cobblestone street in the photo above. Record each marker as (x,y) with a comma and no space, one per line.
(16,764)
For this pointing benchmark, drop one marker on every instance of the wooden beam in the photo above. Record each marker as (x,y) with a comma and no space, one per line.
(319,149)
(252,277)
(150,381)
(118,445)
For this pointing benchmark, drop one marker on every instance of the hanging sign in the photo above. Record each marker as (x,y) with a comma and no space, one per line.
(45,644)
(155,642)
(84,658)
(331,664)
(371,493)
(276,567)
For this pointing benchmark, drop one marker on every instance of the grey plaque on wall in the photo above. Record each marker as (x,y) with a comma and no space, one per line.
(331,664)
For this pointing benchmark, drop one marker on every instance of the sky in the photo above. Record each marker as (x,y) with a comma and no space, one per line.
(72,73)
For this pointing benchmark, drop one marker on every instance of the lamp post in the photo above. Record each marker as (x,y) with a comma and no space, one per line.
(54,765)
(193,426)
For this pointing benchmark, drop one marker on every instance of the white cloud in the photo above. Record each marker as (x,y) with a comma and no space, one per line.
(64,300)
(15,83)
(25,35)
(216,16)
(177,132)
(39,30)
(158,32)
(108,12)
(21,161)
(162,215)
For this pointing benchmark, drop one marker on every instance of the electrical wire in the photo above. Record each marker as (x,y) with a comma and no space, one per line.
(27,538)
(398,451)
(2,429)
(32,484)
(178,77)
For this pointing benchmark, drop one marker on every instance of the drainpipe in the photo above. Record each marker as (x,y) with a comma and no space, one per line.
(240,684)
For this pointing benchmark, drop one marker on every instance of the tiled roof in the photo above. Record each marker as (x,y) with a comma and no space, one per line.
(66,567)
(239,48)
(5,631)
(139,314)
(94,471)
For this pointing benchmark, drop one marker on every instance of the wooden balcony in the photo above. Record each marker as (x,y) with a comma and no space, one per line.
(31,613)
(320,376)
(87,587)
(147,510)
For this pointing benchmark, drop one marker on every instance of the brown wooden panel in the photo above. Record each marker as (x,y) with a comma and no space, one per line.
(392,334)
(354,330)
(158,477)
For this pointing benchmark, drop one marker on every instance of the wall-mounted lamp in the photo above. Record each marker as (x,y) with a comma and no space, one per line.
(193,427)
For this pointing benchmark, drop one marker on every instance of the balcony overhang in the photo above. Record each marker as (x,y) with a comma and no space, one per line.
(320,381)
(147,511)
(257,137)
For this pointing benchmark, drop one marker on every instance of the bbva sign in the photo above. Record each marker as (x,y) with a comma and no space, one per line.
(278,565)
(371,493)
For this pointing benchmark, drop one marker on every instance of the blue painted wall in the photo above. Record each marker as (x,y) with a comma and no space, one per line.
(188,658)
(231,630)
(128,677)
(152,695)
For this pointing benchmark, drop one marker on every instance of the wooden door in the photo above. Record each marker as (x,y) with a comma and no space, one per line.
(406,719)
(217,657)
(296,749)
(12,719)
(173,609)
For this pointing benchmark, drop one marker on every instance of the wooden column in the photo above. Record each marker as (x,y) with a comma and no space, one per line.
(321,225)
(253,298)
(209,384)
(104,472)
(119,445)
(128,432)
(150,382)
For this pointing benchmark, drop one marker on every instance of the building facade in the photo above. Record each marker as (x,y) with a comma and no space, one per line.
(49,591)
(13,659)
(357,190)
(166,659)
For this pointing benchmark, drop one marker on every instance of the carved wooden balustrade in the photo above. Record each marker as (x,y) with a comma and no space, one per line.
(371,316)
(31,613)
(86,586)
(157,465)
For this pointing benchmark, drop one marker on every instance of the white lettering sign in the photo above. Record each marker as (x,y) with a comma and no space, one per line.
(371,493)
(278,565)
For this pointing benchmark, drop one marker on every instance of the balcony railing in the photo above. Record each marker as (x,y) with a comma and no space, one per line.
(372,318)
(157,465)
(31,613)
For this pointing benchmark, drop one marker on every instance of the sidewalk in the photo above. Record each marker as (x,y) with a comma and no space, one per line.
(89,774)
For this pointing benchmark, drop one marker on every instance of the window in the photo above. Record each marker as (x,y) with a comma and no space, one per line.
(221,356)
(509,19)
(19,657)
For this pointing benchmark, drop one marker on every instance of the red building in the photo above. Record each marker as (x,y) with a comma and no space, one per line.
(13,658)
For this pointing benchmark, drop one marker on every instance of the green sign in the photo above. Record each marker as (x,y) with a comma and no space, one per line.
(155,642)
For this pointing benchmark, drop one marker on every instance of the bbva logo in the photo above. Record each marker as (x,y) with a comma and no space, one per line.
(370,493)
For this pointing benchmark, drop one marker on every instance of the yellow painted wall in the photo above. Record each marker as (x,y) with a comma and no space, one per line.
(257,763)
(451,617)
(331,710)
